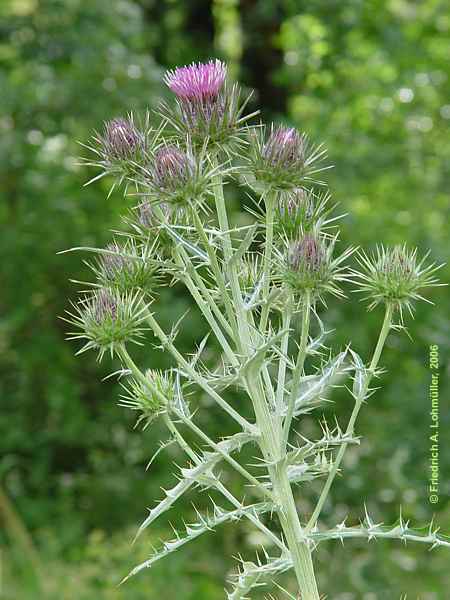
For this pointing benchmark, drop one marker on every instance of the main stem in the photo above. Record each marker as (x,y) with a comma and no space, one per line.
(293,531)
(271,436)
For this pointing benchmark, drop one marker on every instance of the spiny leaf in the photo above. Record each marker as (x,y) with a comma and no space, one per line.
(245,244)
(194,530)
(360,376)
(312,388)
(194,475)
(253,365)
(372,531)
(251,575)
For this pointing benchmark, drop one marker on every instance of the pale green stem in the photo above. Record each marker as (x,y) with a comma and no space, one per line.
(282,364)
(238,467)
(270,205)
(296,540)
(217,271)
(180,439)
(275,539)
(244,337)
(221,488)
(149,385)
(270,433)
(195,376)
(204,307)
(198,279)
(351,424)
(298,370)
(196,460)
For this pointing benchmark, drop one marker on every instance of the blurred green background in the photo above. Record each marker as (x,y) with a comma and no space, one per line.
(371,79)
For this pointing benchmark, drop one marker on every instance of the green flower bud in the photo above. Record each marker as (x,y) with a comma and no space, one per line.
(129,267)
(310,266)
(149,400)
(108,320)
(395,275)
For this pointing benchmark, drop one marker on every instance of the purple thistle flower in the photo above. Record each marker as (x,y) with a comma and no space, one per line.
(171,167)
(284,148)
(121,138)
(202,81)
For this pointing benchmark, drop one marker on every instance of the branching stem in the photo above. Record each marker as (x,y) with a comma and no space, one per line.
(351,424)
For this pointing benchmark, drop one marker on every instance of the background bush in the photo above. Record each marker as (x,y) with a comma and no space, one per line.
(370,79)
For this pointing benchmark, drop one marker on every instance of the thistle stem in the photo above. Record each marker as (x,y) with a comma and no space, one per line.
(306,311)
(243,338)
(217,271)
(270,205)
(351,424)
(204,307)
(239,468)
(195,376)
(295,538)
(287,315)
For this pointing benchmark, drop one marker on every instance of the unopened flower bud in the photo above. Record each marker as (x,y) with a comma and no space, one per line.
(306,255)
(149,399)
(114,263)
(129,267)
(121,139)
(108,320)
(172,168)
(284,148)
(395,276)
(295,212)
(283,160)
(104,307)
(310,266)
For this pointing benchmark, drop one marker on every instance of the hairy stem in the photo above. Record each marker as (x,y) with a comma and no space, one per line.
(351,424)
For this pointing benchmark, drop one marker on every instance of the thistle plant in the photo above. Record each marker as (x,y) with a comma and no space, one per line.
(255,287)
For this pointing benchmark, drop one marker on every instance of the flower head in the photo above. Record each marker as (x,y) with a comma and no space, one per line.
(128,267)
(284,148)
(121,139)
(108,320)
(172,168)
(104,307)
(283,160)
(306,254)
(395,275)
(150,399)
(310,267)
(178,176)
(201,81)
(209,110)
